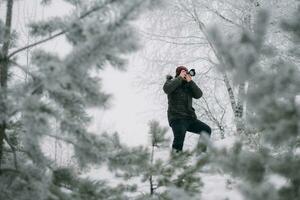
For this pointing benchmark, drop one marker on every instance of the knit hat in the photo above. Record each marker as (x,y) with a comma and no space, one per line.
(179,69)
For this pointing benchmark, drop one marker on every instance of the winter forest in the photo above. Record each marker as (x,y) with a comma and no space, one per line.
(84,109)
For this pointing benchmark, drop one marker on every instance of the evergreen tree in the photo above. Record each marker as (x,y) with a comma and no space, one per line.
(60,90)
(171,176)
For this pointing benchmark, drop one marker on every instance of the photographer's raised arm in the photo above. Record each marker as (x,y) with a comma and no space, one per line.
(171,84)
(195,90)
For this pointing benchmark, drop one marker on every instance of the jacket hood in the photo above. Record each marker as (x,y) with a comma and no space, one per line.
(169,77)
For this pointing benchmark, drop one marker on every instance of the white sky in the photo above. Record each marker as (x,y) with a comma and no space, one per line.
(131,109)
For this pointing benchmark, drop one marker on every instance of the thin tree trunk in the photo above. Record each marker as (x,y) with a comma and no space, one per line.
(240,101)
(151,177)
(239,111)
(230,92)
(4,75)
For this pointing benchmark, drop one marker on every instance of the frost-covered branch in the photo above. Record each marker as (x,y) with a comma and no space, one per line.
(36,43)
(97,8)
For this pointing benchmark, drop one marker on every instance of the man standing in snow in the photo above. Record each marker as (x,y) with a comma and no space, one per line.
(181,115)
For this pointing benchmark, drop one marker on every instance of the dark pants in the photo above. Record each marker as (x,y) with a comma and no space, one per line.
(180,126)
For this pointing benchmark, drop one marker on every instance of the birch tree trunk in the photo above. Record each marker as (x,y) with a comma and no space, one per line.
(241,103)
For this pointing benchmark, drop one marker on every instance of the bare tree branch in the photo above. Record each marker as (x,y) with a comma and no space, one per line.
(178,43)
(36,43)
(171,37)
(223,17)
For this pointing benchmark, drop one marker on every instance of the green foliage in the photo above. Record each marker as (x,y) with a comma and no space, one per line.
(65,179)
(272,96)
(46,2)
(158,134)
(175,173)
(50,103)
(46,28)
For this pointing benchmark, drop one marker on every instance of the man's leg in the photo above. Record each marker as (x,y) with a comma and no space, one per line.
(197,126)
(179,130)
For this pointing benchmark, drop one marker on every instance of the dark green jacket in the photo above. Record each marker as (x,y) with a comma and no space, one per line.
(180,94)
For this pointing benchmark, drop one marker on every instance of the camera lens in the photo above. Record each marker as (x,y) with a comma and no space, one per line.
(192,72)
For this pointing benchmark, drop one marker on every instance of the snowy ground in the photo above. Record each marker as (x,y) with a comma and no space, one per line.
(219,187)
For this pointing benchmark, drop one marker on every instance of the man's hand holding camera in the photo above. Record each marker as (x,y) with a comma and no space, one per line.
(188,77)
(183,74)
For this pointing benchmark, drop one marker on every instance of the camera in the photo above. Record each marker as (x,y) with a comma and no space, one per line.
(192,72)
